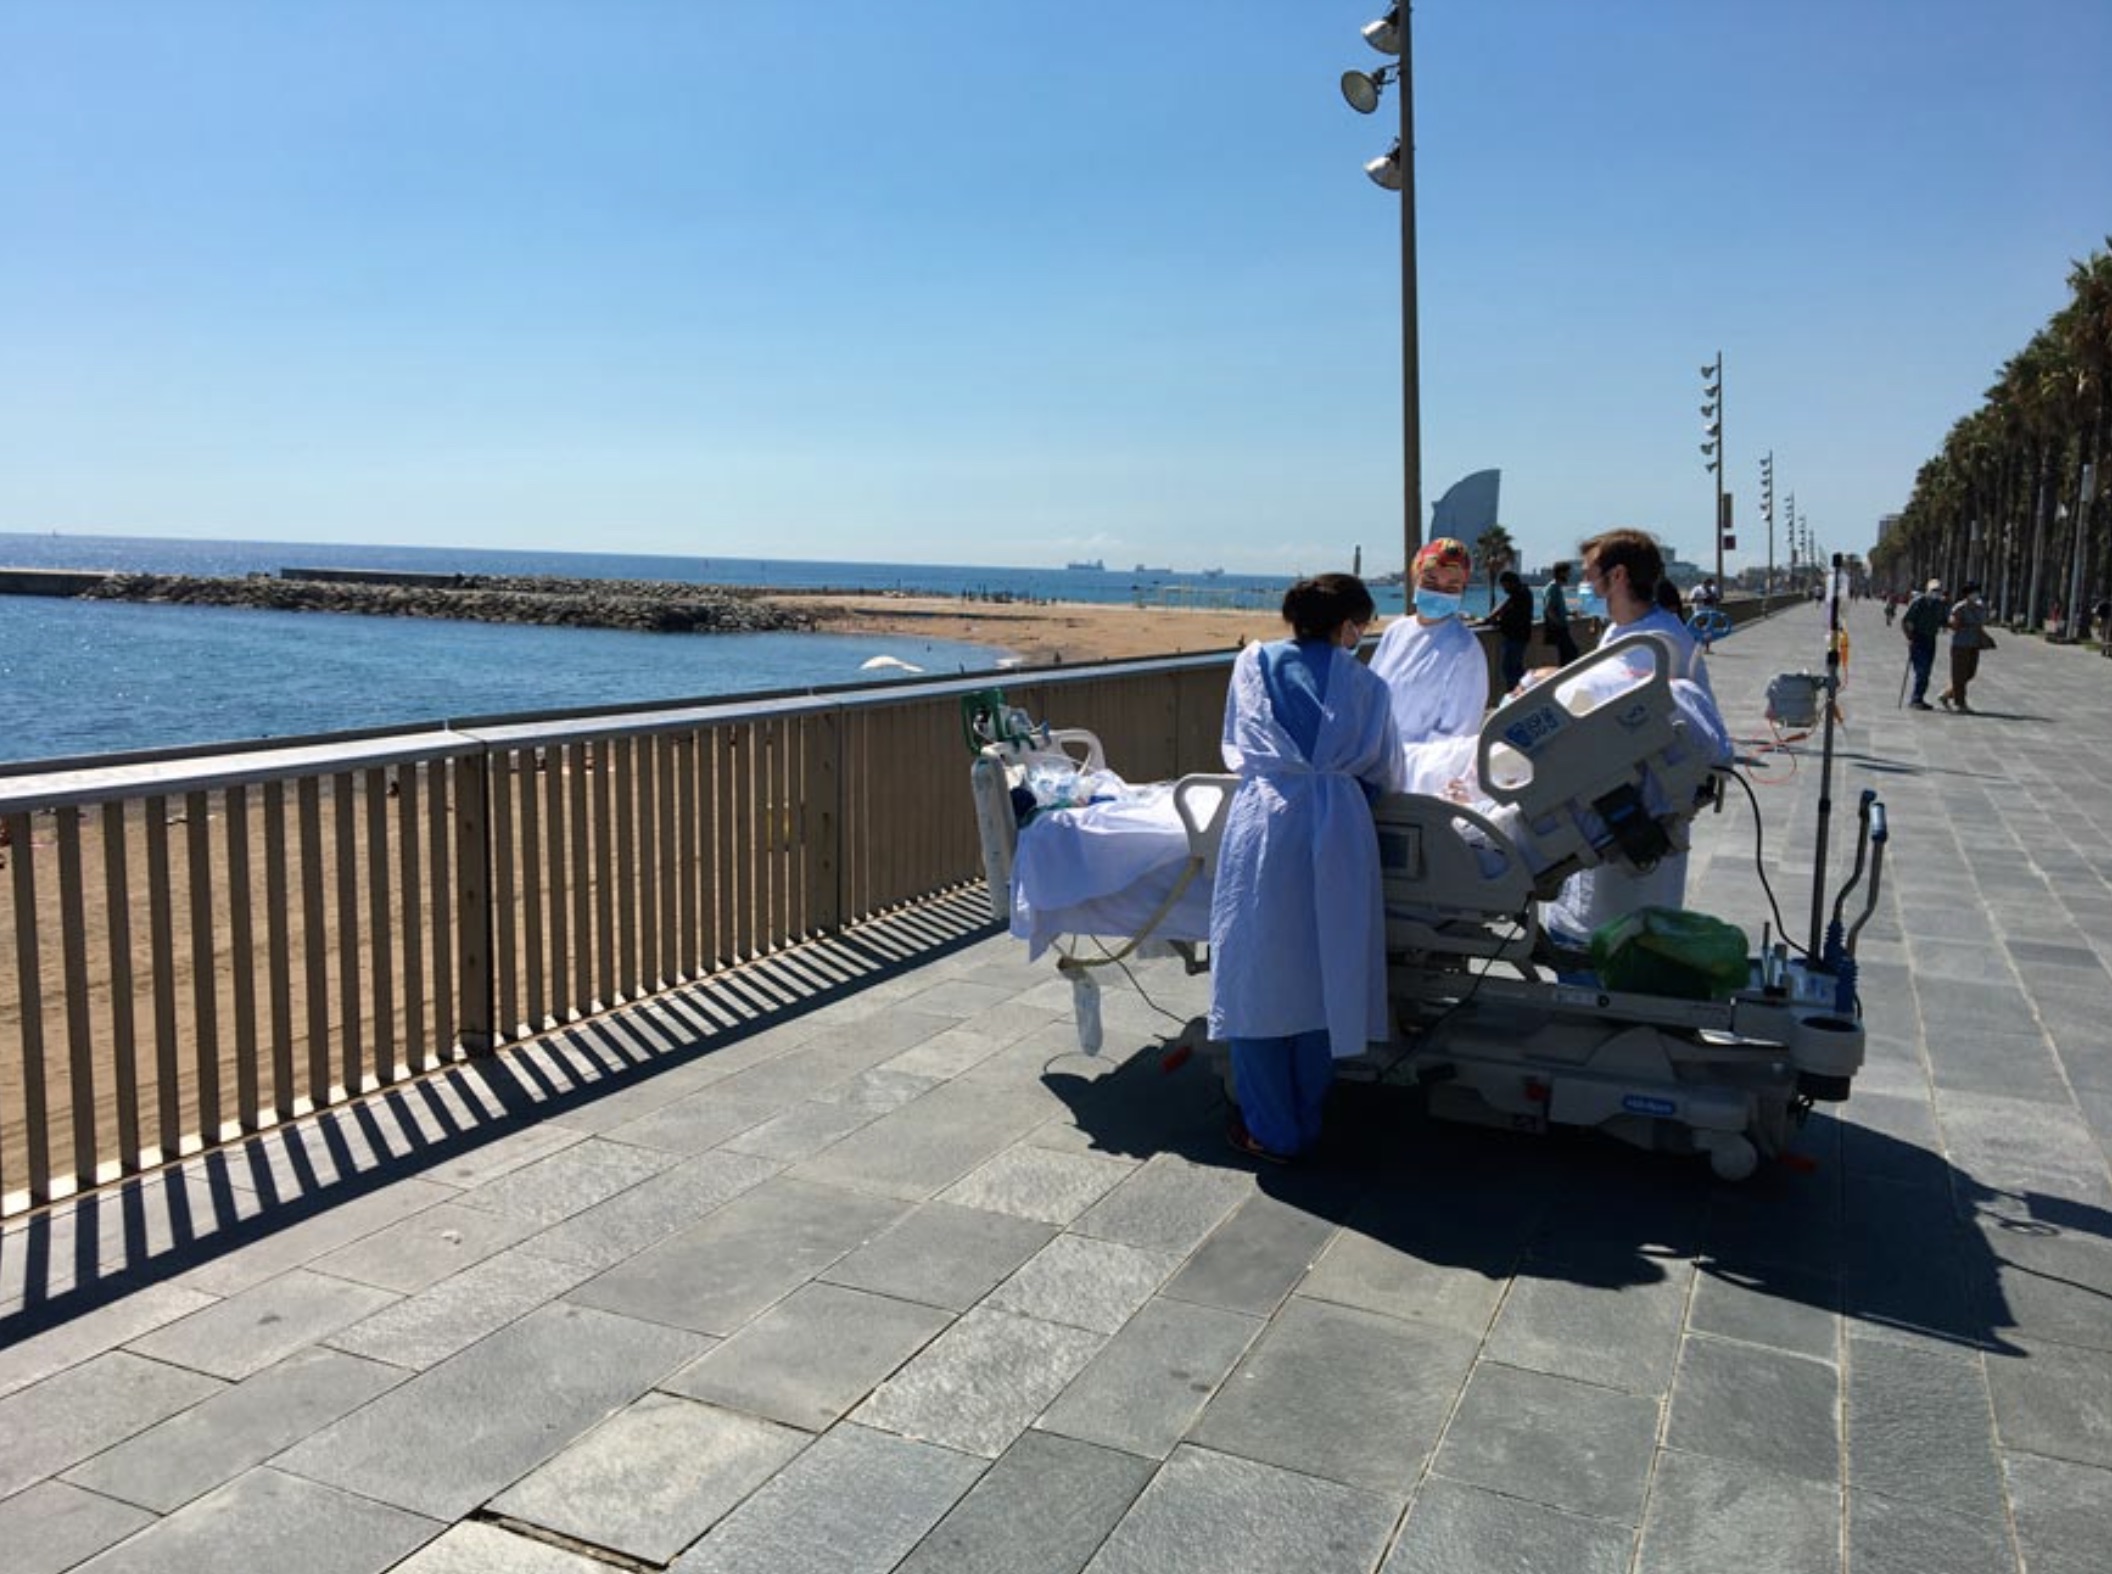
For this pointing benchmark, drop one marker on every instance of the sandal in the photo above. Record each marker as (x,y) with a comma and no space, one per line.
(1244,1141)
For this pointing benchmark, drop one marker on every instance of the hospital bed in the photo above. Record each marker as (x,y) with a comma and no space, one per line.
(1606,763)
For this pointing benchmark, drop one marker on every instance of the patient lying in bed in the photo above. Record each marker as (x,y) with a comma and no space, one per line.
(1106,869)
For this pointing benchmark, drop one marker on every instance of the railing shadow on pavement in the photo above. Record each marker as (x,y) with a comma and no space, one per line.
(69,1259)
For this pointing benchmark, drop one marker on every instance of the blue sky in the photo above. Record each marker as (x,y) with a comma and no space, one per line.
(942,282)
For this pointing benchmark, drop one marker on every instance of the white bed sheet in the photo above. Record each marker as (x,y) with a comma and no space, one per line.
(1103,870)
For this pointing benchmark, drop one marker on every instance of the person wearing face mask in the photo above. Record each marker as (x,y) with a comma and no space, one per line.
(1624,568)
(1297,916)
(1432,663)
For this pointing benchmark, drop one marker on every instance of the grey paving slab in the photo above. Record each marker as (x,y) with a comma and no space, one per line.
(473,1547)
(981,1383)
(1766,1407)
(25,1361)
(1627,1312)
(53,1526)
(424,1329)
(420,1251)
(1040,1183)
(276,1521)
(568,1181)
(2021,1151)
(1349,1395)
(487,1161)
(834,1055)
(716,1275)
(692,1124)
(879,1089)
(1409,1273)
(1255,1258)
(1920,1428)
(1457,1529)
(1170,1205)
(962,1047)
(2018,1064)
(813,1356)
(1709,1513)
(942,1255)
(1084,1282)
(1783,1309)
(261,1326)
(920,1149)
(2055,1283)
(1564,1444)
(961,997)
(653,1477)
(1043,1508)
(2054,1400)
(196,1450)
(802,1130)
(1206,1513)
(854,1503)
(275,1252)
(2063,1513)
(407,1447)
(55,1424)
(1893,1137)
(1888,1536)
(607,1233)
(1145,1388)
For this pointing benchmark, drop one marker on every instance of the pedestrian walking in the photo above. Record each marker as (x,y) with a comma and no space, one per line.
(1924,619)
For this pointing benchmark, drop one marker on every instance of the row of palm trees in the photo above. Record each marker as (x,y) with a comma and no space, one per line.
(2007,501)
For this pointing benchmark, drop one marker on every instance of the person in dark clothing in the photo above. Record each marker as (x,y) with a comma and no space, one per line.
(1513,622)
(1554,616)
(1923,620)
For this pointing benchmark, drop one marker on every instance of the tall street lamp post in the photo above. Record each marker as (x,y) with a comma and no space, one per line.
(1767,508)
(1395,171)
(1712,413)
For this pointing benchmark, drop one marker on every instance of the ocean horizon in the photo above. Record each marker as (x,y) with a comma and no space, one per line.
(90,677)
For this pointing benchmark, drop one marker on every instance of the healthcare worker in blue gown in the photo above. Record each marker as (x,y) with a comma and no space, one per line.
(1297,919)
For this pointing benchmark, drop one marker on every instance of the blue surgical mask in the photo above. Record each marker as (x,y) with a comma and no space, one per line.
(1435,604)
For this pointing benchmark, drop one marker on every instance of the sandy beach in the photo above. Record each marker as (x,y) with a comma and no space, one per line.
(1042,633)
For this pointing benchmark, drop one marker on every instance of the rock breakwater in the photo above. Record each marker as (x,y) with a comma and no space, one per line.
(644,606)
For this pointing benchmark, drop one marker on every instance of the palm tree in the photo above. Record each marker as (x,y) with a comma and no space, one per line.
(1497,551)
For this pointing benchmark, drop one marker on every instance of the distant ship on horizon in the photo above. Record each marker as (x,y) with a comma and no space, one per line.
(1096,566)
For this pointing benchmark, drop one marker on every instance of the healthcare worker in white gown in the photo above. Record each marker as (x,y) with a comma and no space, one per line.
(1297,919)
(1622,567)
(1434,667)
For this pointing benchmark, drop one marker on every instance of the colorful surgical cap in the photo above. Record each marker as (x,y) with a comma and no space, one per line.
(1443,552)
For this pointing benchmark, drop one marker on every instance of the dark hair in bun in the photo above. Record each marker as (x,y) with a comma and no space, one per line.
(1317,608)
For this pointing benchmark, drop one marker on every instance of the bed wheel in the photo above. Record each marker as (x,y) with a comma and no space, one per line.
(1732,1158)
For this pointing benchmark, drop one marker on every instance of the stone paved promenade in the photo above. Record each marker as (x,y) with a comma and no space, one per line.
(850,1264)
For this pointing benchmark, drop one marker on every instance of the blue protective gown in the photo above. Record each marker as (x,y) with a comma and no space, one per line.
(1297,919)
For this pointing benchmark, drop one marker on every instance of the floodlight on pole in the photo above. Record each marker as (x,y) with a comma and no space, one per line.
(1384,35)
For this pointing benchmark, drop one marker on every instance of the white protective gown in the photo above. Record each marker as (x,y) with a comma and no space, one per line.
(1438,676)
(1596,896)
(1688,663)
(1297,920)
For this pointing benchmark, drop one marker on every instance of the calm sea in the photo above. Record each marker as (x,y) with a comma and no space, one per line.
(95,677)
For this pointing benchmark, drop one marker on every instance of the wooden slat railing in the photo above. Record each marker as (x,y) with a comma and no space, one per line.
(207,944)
